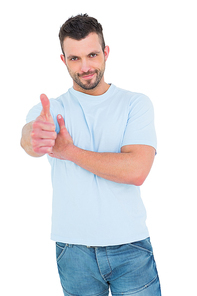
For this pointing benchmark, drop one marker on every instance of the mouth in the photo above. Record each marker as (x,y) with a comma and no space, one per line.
(88,76)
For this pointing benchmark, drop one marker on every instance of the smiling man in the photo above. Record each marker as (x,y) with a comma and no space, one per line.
(86,70)
(100,141)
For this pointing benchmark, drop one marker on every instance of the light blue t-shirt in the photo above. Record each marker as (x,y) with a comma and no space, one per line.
(88,209)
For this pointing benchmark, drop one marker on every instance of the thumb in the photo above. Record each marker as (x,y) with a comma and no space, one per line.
(45,106)
(61,122)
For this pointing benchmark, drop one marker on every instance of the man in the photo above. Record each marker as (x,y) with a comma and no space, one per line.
(101,142)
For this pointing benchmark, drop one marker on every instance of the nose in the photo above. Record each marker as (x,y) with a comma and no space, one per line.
(85,67)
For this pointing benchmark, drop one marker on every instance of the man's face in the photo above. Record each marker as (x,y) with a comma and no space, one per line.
(85,61)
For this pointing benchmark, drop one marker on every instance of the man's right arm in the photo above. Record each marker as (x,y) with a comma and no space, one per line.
(38,137)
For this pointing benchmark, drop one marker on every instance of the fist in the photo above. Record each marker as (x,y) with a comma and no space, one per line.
(43,129)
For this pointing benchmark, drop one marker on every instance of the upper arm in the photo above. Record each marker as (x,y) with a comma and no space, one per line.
(140,128)
(141,159)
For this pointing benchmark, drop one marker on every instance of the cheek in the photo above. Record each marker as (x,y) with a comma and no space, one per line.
(72,67)
(97,64)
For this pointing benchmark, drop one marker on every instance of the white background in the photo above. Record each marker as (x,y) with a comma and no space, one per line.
(153,51)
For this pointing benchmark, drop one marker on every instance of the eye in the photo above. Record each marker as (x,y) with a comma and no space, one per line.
(92,55)
(74,59)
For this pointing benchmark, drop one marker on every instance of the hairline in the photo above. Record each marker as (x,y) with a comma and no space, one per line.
(92,32)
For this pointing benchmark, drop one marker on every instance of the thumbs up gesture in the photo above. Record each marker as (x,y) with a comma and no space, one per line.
(43,129)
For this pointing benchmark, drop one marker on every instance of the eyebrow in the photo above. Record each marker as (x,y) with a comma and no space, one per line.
(74,56)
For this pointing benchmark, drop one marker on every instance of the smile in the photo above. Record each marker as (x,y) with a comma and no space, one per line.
(90,76)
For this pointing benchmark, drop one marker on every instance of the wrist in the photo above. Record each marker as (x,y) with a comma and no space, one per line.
(71,153)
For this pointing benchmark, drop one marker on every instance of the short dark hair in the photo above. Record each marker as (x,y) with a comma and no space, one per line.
(79,27)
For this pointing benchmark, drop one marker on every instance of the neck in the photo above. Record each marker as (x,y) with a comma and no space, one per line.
(100,89)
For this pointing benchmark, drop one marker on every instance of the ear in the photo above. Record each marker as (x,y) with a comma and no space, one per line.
(63,58)
(106,52)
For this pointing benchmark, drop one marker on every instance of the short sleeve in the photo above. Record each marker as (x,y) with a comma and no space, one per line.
(140,128)
(34,113)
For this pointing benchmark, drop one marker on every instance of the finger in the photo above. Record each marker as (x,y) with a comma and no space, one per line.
(40,134)
(45,105)
(43,125)
(48,143)
(43,150)
(61,122)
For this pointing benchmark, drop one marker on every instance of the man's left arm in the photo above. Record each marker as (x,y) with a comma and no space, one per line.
(131,166)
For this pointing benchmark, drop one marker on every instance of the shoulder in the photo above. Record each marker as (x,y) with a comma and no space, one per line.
(59,100)
(134,99)
(57,104)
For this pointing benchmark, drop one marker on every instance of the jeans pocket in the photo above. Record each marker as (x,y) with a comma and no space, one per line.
(143,245)
(60,250)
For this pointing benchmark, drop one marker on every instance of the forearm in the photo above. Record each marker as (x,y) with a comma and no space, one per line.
(26,142)
(116,167)
(130,166)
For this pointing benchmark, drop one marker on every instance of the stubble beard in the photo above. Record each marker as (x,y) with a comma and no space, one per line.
(89,84)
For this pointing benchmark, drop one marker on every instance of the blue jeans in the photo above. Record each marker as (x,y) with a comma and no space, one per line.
(128,269)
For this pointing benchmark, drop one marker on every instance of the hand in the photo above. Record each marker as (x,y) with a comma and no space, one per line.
(63,142)
(43,129)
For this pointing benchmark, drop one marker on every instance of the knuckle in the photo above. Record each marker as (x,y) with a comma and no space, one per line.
(34,145)
(33,142)
(35,149)
(36,123)
(33,134)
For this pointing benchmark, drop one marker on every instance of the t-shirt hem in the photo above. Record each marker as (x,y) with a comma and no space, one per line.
(101,243)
